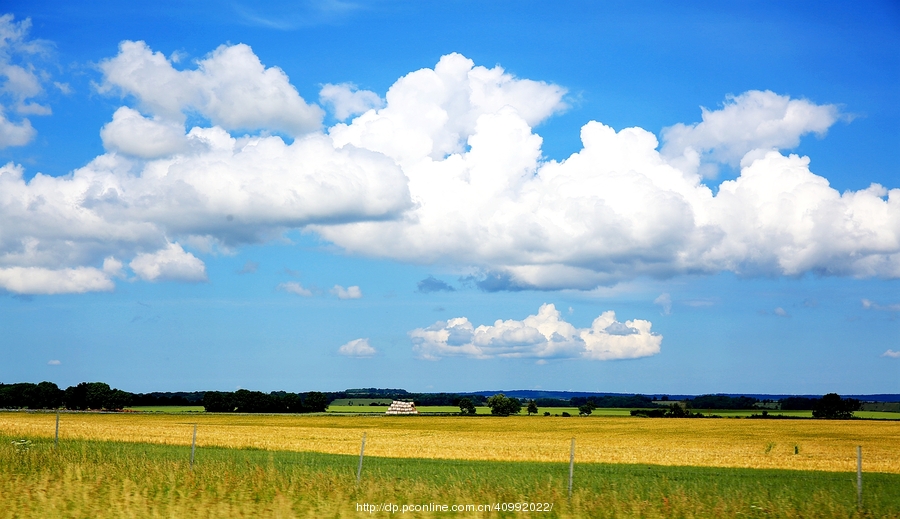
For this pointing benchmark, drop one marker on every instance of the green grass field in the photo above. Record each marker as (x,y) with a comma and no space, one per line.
(88,479)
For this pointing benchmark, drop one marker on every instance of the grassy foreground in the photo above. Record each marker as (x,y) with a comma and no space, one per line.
(91,479)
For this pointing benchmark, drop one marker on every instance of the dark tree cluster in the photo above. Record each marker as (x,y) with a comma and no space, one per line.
(25,395)
(95,395)
(47,395)
(723,402)
(502,405)
(674,411)
(244,401)
(833,407)
(167,399)
(420,399)
(466,406)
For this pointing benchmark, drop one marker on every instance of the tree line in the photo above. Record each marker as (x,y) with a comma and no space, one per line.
(244,401)
(100,396)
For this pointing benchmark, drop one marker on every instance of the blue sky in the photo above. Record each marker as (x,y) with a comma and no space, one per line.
(457,196)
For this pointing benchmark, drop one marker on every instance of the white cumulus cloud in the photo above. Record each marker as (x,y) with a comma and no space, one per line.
(618,208)
(230,86)
(169,264)
(347,293)
(357,348)
(749,121)
(543,335)
(892,354)
(37,280)
(133,134)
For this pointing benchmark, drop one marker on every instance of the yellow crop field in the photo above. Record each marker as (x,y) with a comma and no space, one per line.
(820,445)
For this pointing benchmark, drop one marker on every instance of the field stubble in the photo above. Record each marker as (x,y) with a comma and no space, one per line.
(739,443)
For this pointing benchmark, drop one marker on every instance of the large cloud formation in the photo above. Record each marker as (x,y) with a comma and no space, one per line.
(445,169)
(544,335)
(618,208)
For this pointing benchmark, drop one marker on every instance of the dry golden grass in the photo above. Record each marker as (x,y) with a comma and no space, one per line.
(823,445)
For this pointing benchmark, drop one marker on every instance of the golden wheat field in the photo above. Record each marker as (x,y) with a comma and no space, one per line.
(821,445)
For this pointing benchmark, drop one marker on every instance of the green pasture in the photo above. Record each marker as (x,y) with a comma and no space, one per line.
(85,479)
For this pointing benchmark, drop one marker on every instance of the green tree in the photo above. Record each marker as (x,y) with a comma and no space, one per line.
(466,406)
(833,407)
(501,405)
(97,395)
(585,409)
(532,407)
(315,402)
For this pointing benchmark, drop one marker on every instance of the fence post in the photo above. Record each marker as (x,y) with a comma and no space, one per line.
(571,466)
(859,477)
(56,438)
(193,447)
(362,449)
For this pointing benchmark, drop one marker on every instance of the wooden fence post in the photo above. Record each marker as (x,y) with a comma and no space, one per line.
(193,446)
(571,466)
(859,477)
(362,449)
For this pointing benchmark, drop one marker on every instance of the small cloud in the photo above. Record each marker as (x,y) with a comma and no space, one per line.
(541,362)
(781,312)
(892,354)
(439,309)
(249,268)
(571,310)
(871,305)
(293,287)
(810,303)
(57,363)
(665,301)
(63,87)
(357,348)
(432,284)
(698,303)
(347,293)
